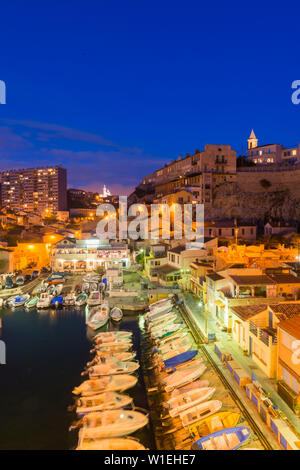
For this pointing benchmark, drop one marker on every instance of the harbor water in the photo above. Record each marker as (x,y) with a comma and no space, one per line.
(46,352)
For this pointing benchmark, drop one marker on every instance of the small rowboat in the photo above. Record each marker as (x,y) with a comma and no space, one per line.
(121,356)
(101,402)
(116,443)
(116,314)
(188,400)
(81,300)
(174,352)
(174,345)
(180,358)
(19,300)
(171,336)
(109,336)
(31,303)
(98,317)
(116,346)
(221,420)
(113,368)
(190,386)
(160,331)
(115,423)
(202,411)
(154,314)
(113,383)
(226,439)
(184,376)
(163,320)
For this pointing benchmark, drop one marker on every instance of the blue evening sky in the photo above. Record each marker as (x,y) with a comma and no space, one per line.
(114,89)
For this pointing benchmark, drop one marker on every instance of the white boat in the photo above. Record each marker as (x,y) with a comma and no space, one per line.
(19,300)
(58,289)
(171,328)
(190,386)
(171,337)
(107,336)
(165,319)
(81,300)
(69,300)
(202,411)
(113,383)
(115,443)
(111,367)
(1,302)
(114,423)
(174,352)
(101,356)
(94,298)
(116,314)
(98,316)
(115,346)
(101,402)
(44,300)
(184,376)
(188,400)
(174,345)
(154,315)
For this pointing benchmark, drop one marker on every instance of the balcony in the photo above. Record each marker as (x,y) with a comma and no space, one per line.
(266,335)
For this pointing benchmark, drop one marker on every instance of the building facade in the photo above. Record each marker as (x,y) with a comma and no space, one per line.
(38,190)
(271,153)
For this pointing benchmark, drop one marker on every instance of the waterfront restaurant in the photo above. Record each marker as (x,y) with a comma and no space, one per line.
(71,254)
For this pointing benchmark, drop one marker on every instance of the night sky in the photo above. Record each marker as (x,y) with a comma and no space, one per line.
(114,89)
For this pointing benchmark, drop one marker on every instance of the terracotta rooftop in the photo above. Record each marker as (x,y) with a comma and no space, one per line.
(285,278)
(247,311)
(291,326)
(256,280)
(215,277)
(285,311)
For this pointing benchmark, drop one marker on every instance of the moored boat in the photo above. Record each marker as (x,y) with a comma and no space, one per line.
(114,423)
(189,399)
(98,316)
(120,356)
(184,376)
(101,402)
(31,303)
(216,422)
(81,299)
(116,314)
(115,443)
(57,301)
(94,298)
(180,358)
(19,300)
(202,411)
(44,300)
(106,384)
(107,336)
(69,300)
(111,367)
(115,346)
(226,439)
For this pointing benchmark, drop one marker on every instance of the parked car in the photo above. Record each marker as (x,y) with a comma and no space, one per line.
(35,274)
(9,283)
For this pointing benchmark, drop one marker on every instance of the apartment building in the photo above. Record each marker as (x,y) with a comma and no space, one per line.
(38,190)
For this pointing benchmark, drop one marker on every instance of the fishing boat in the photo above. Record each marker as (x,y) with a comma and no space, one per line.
(202,411)
(116,314)
(111,367)
(116,346)
(188,400)
(102,356)
(184,376)
(44,300)
(174,345)
(101,402)
(162,331)
(190,386)
(81,300)
(155,314)
(8,302)
(116,443)
(171,336)
(216,422)
(226,439)
(180,358)
(31,303)
(113,383)
(114,423)
(55,280)
(94,298)
(69,300)
(98,316)
(57,301)
(19,300)
(107,336)
(58,288)
(164,319)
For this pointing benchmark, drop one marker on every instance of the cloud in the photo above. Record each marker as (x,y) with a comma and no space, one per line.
(90,159)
